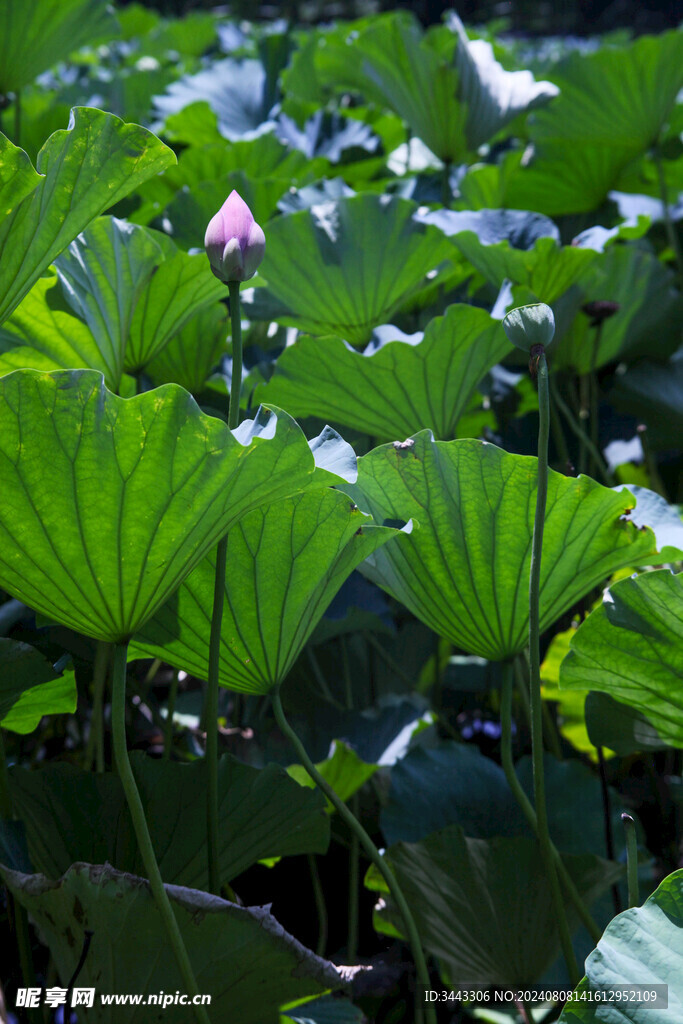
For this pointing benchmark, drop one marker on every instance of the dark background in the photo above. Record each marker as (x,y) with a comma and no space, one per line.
(530,17)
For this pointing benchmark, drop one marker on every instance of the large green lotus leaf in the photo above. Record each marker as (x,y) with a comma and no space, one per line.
(548,269)
(263,157)
(85,170)
(108,503)
(483,907)
(616,96)
(391,390)
(654,392)
(452,784)
(285,563)
(30,687)
(641,947)
(104,272)
(241,956)
(182,287)
(612,107)
(134,288)
(618,727)
(452,92)
(38,337)
(344,267)
(262,813)
(18,177)
(649,309)
(193,352)
(35,34)
(631,647)
(465,571)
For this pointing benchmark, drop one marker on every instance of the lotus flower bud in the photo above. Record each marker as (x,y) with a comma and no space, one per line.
(530,326)
(234,242)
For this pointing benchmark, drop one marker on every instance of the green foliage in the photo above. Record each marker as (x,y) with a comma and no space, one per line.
(631,648)
(465,571)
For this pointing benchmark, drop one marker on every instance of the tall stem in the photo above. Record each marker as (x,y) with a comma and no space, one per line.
(95,745)
(446,194)
(581,434)
(236,381)
(535,672)
(594,397)
(17,913)
(170,711)
(320,906)
(17,118)
(526,805)
(631,860)
(366,842)
(211,701)
(143,837)
(668,222)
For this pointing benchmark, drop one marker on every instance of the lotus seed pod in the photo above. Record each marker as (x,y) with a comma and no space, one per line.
(528,326)
(234,242)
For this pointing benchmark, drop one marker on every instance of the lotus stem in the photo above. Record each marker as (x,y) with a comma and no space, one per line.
(668,222)
(631,860)
(137,813)
(536,700)
(170,711)
(527,807)
(371,850)
(211,702)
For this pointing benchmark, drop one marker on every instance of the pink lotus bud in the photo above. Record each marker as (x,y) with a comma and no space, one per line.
(234,242)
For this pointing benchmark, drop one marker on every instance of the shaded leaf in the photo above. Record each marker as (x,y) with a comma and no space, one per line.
(262,813)
(452,784)
(30,687)
(483,907)
(220,938)
(631,647)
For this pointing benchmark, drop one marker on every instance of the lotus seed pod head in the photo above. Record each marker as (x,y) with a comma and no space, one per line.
(528,326)
(234,242)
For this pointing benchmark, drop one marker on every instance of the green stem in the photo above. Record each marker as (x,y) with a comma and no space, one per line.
(446,194)
(17,913)
(320,906)
(560,440)
(594,393)
(354,877)
(366,842)
(152,672)
(211,716)
(668,223)
(144,840)
(17,118)
(170,711)
(535,673)
(580,433)
(526,805)
(95,745)
(631,860)
(212,689)
(236,382)
(5,797)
